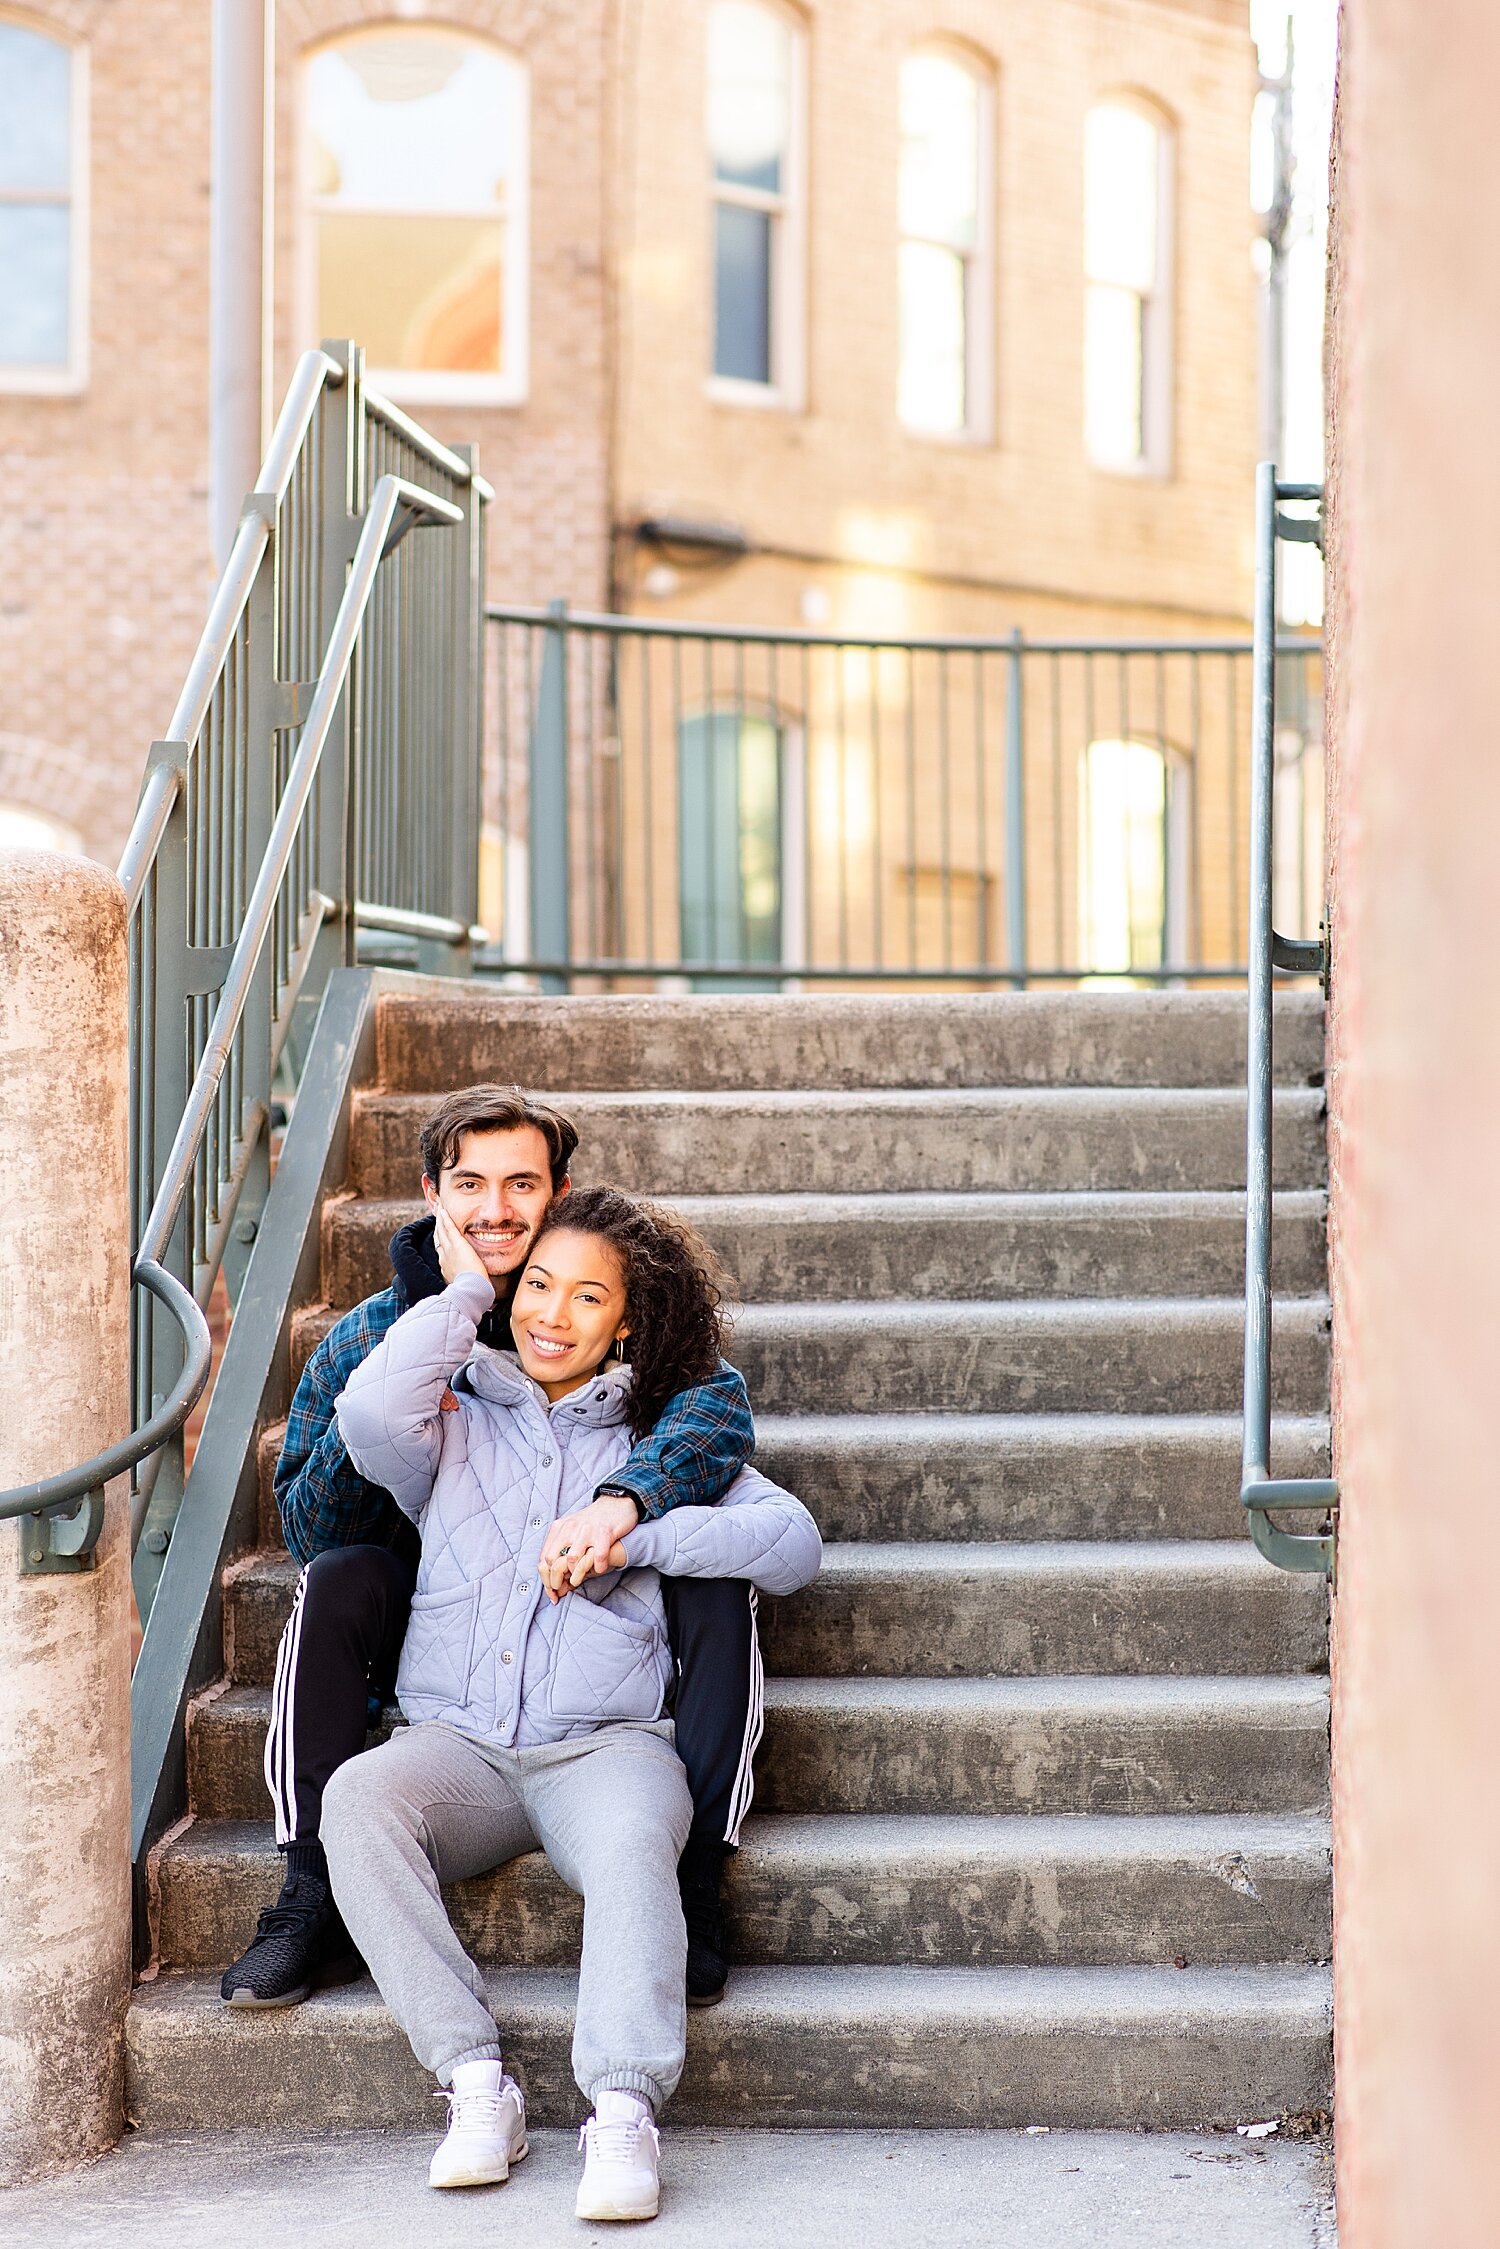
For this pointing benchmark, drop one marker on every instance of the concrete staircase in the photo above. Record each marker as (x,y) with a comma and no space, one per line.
(1040,1831)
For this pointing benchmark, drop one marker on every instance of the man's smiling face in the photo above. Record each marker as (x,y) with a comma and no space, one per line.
(495,1192)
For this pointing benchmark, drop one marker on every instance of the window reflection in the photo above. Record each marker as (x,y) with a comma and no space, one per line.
(417,155)
(37,251)
(1124,329)
(751,64)
(941,124)
(1132,859)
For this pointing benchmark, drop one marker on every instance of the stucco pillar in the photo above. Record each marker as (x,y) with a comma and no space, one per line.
(64,1640)
(1414,1090)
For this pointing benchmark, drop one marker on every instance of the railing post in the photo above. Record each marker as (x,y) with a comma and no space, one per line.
(1259,1492)
(169,1069)
(343,500)
(548,856)
(1257,1433)
(264,704)
(1015,817)
(467,661)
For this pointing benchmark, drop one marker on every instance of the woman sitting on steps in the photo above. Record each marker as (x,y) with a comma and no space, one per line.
(535,1707)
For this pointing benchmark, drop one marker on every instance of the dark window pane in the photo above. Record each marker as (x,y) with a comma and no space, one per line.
(34,294)
(742,293)
(765,173)
(729,840)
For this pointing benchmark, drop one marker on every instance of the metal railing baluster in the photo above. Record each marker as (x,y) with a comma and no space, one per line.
(1015,816)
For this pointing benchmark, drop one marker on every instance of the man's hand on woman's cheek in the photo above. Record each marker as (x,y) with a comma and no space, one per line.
(587,1543)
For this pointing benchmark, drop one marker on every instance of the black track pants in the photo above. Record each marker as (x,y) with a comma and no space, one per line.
(720,1702)
(342,1644)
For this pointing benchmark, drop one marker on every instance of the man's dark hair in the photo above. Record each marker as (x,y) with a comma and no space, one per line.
(494,1108)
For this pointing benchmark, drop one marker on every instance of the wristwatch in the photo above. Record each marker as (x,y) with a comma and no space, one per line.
(618,1491)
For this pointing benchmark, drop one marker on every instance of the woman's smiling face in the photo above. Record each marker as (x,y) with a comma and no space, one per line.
(569,1306)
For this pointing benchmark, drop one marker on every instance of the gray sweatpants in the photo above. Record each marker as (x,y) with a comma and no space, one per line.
(611,1810)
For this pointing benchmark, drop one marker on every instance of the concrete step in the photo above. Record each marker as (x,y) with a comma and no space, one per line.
(789,2046)
(936,1140)
(988,1476)
(1057,1355)
(951,1745)
(1023,1610)
(820,1890)
(903,1610)
(1026,1476)
(438,1039)
(1052,1355)
(800,1248)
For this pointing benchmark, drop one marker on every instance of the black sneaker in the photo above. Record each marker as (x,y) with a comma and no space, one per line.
(698,1880)
(300,1943)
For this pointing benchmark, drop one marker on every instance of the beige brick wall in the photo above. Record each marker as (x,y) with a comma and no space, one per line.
(1026,515)
(104,568)
(104,563)
(549,458)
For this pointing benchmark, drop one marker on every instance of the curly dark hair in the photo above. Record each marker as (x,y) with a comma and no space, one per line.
(674,1293)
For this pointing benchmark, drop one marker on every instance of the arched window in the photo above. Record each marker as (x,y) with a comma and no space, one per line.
(730,787)
(416,223)
(1127,347)
(755,137)
(1133,830)
(21,826)
(945,256)
(43,178)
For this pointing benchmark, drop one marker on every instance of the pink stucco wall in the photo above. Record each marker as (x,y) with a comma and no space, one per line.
(1415,1096)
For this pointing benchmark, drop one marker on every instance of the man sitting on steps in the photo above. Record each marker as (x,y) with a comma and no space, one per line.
(493,1159)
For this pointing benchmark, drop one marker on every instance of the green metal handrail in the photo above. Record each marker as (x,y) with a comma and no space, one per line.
(51,1543)
(72,1540)
(247,875)
(1260,1492)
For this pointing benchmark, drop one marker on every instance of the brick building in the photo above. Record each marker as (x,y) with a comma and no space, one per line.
(874,315)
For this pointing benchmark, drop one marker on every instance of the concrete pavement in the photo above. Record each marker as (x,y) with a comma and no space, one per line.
(721,2190)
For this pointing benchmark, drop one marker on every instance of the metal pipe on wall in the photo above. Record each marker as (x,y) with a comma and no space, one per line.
(239,257)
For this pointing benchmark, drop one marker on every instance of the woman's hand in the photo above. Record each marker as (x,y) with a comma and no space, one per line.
(456,1253)
(587,1543)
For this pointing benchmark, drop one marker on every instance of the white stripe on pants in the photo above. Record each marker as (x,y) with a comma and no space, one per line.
(280,1762)
(755,1724)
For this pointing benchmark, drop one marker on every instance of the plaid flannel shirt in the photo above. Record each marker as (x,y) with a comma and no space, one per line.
(692,1456)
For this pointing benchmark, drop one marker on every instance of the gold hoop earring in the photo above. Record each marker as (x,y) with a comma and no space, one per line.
(619,1348)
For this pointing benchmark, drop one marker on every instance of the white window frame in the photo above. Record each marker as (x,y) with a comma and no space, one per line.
(71,378)
(415,386)
(979,266)
(787,388)
(1158,314)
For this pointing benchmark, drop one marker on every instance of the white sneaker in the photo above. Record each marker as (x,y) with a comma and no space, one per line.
(486,2130)
(619,2170)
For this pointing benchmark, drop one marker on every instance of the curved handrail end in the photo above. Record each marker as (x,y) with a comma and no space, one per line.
(1311,1553)
(49,1494)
